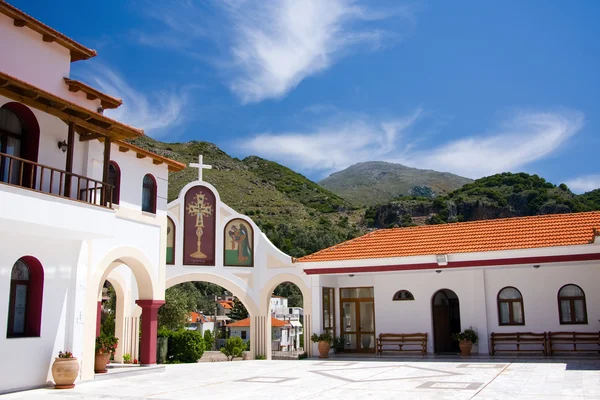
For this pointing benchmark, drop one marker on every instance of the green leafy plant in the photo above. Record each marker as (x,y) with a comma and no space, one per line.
(234,347)
(127,358)
(66,354)
(106,344)
(185,346)
(468,334)
(323,337)
(303,356)
(260,357)
(338,344)
(209,339)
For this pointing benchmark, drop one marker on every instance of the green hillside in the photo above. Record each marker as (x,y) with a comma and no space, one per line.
(377,182)
(298,216)
(498,196)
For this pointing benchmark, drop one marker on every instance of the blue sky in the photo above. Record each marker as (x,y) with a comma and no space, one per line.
(469,87)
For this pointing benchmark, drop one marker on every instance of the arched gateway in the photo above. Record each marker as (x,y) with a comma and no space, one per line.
(213,243)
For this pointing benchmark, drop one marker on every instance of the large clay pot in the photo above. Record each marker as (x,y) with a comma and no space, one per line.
(100,362)
(324,349)
(64,372)
(465,347)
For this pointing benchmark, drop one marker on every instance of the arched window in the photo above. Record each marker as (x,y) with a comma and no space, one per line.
(402,295)
(25,301)
(149,194)
(170,241)
(571,305)
(114,178)
(510,307)
(11,135)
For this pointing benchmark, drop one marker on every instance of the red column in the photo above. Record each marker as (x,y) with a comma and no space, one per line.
(98,318)
(149,330)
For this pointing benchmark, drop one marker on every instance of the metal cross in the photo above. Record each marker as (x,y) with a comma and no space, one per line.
(200,167)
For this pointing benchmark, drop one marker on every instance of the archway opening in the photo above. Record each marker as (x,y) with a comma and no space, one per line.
(446,321)
(202,312)
(287,321)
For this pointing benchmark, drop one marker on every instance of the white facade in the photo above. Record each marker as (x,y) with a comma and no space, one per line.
(79,245)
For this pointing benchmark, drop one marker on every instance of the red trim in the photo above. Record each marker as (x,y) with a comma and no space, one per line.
(456,264)
(149,330)
(98,318)
(31,140)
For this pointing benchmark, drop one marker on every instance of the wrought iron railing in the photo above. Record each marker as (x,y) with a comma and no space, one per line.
(42,178)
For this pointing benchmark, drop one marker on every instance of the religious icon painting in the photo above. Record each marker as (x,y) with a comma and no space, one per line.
(199,226)
(239,243)
(170,241)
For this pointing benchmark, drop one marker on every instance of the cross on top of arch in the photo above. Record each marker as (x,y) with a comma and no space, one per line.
(200,165)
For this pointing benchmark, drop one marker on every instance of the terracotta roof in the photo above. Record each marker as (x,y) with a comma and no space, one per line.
(156,159)
(467,237)
(78,51)
(242,323)
(193,317)
(88,120)
(92,94)
(225,304)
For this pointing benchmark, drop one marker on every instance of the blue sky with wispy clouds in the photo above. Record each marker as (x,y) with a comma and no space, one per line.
(470,87)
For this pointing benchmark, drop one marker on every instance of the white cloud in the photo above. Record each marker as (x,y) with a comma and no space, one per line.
(269,47)
(152,112)
(584,183)
(523,138)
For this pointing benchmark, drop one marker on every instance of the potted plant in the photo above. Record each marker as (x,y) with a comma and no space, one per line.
(324,340)
(65,370)
(338,344)
(127,358)
(105,348)
(466,340)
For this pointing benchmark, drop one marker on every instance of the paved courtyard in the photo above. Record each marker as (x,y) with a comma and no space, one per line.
(350,379)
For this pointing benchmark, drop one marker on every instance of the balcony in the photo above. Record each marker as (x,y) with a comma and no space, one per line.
(41,178)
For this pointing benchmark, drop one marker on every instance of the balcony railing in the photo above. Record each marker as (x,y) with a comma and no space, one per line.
(42,178)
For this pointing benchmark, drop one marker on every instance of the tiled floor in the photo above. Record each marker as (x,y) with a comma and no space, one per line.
(453,378)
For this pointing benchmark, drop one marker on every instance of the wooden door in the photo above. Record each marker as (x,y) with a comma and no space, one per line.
(446,321)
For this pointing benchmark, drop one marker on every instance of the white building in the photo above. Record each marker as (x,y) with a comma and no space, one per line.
(294,316)
(280,332)
(79,206)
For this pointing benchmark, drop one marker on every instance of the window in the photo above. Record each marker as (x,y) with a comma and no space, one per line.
(25,299)
(402,295)
(571,305)
(149,194)
(11,134)
(510,307)
(329,310)
(244,335)
(114,178)
(170,241)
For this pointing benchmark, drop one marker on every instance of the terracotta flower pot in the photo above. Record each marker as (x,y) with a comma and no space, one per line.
(465,347)
(64,372)
(324,349)
(100,362)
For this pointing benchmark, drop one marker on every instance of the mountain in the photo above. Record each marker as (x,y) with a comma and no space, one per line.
(297,215)
(377,182)
(498,196)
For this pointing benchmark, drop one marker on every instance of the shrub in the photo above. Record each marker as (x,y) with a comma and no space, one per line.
(323,337)
(260,357)
(208,339)
(234,347)
(185,346)
(468,334)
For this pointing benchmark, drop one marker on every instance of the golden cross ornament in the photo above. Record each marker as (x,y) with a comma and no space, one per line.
(199,209)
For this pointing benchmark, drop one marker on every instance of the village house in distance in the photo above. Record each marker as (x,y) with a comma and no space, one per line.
(81,206)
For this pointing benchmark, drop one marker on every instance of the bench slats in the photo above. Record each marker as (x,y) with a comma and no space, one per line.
(400,340)
(547,341)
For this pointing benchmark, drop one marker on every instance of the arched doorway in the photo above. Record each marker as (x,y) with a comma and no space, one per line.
(445,310)
(287,321)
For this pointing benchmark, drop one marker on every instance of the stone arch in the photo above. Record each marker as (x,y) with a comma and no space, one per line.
(148,289)
(265,305)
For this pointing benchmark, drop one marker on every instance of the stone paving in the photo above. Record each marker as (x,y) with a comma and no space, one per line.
(456,378)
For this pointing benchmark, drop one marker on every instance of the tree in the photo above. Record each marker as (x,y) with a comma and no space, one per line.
(209,339)
(234,347)
(178,302)
(291,292)
(239,311)
(108,318)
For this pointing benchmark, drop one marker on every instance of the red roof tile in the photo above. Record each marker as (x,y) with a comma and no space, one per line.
(275,323)
(467,237)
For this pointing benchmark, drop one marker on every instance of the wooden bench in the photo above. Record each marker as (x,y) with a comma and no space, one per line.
(519,342)
(589,340)
(398,341)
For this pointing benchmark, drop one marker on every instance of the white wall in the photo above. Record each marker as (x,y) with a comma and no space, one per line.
(27,57)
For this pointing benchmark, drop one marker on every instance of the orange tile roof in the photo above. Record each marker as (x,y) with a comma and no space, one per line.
(193,317)
(242,323)
(78,51)
(467,237)
(225,304)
